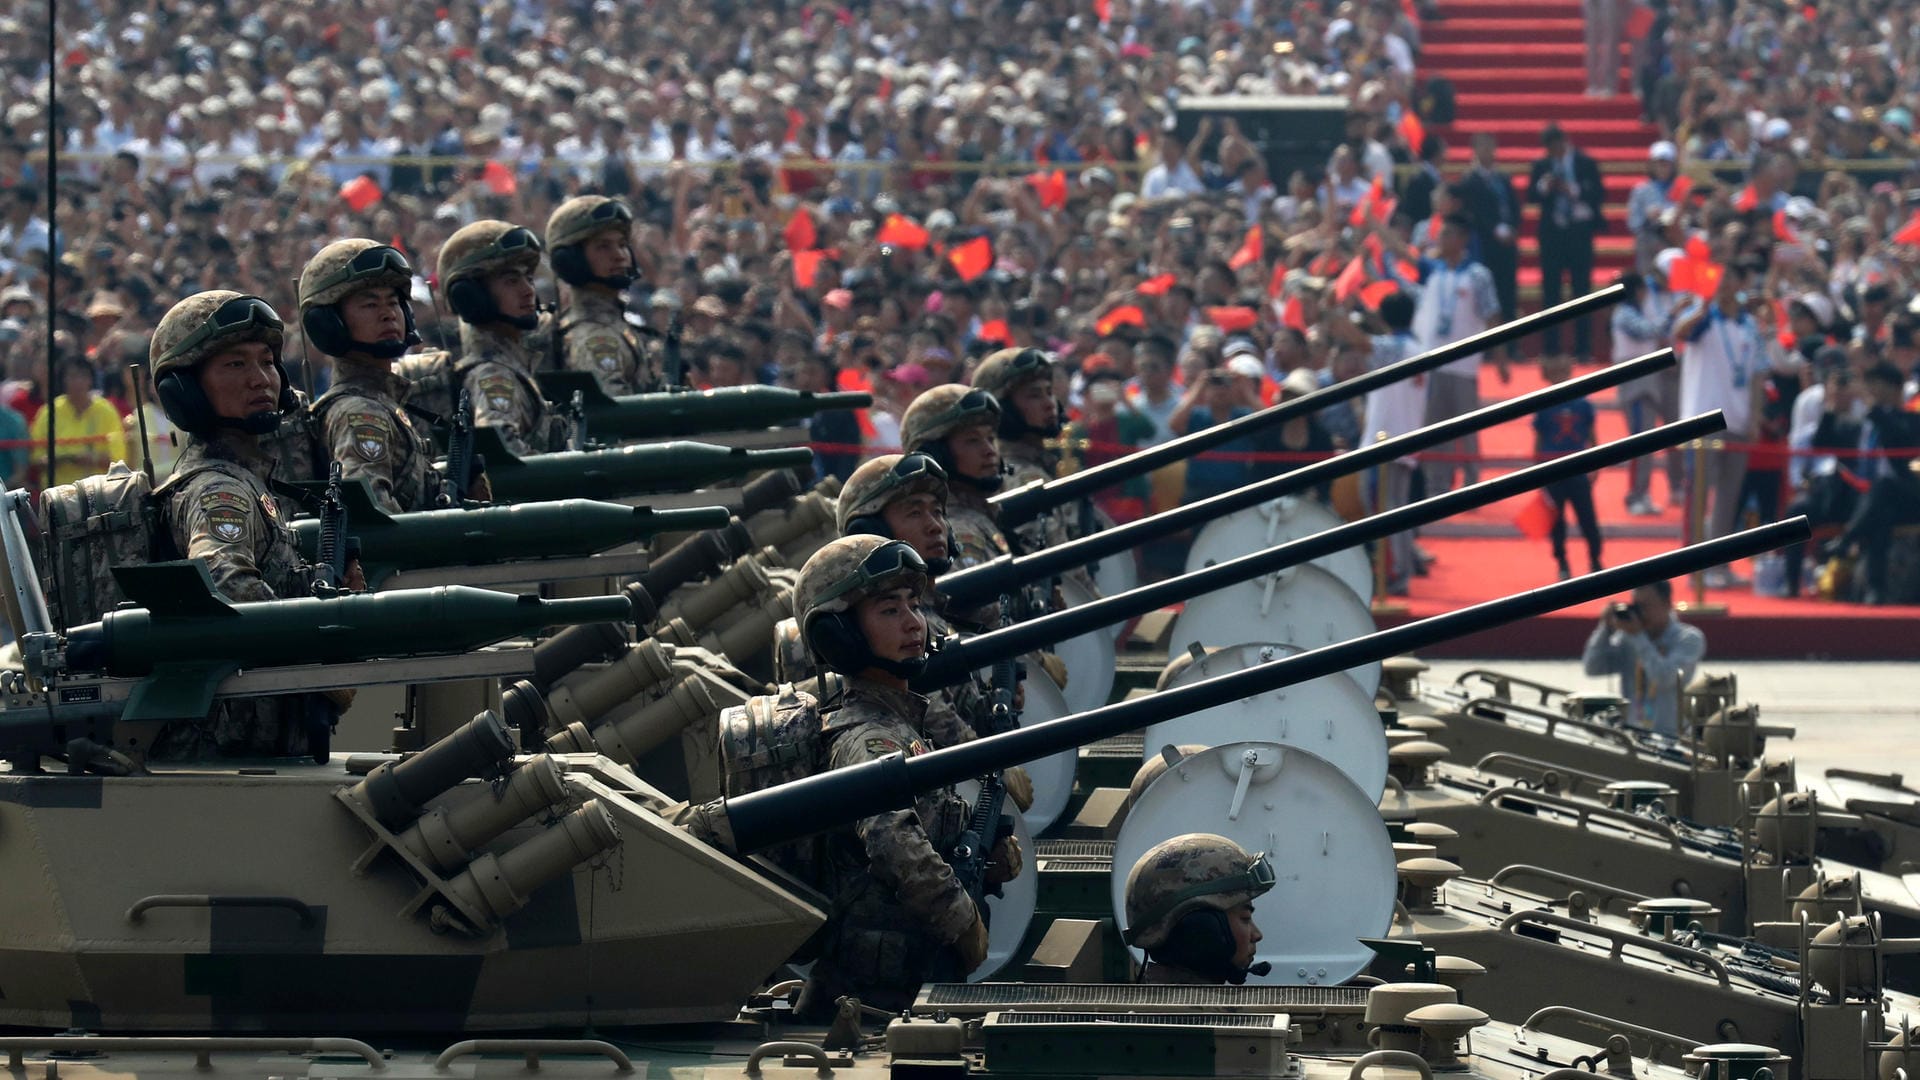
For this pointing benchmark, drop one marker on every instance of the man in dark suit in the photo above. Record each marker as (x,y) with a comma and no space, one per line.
(1893,495)
(1494,210)
(1416,198)
(1566,185)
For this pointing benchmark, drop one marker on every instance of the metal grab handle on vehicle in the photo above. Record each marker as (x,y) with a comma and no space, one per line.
(811,1050)
(1554,720)
(1502,757)
(202,1048)
(1402,1059)
(1659,830)
(1655,1039)
(1503,684)
(1620,939)
(532,1049)
(1605,892)
(138,911)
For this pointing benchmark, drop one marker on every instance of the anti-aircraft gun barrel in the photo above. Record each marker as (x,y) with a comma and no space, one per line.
(335,630)
(826,800)
(623,471)
(690,412)
(391,543)
(1017,507)
(978,584)
(952,664)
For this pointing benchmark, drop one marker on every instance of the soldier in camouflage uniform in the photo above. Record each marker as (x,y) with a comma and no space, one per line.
(1190,908)
(589,246)
(487,270)
(905,498)
(899,915)
(218,373)
(955,426)
(1021,380)
(354,307)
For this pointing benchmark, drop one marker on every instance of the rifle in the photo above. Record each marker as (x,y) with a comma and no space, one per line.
(577,422)
(330,568)
(986,827)
(462,462)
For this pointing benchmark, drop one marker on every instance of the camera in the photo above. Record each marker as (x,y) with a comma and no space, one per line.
(1623,610)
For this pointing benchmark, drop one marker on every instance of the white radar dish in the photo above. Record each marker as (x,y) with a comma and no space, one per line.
(1329,716)
(1303,606)
(1114,575)
(1089,657)
(1279,522)
(1332,858)
(1052,776)
(1009,913)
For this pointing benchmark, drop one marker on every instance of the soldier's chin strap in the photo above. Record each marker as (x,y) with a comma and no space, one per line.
(900,669)
(259,423)
(387,350)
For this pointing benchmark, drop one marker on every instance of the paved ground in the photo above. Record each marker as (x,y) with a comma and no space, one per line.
(1849,715)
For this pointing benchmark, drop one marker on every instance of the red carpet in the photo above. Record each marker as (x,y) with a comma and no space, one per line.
(1482,556)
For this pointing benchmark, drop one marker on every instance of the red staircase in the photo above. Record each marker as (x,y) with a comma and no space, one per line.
(1516,64)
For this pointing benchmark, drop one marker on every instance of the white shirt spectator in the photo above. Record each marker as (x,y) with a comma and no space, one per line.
(1724,360)
(1455,302)
(1162,181)
(1398,407)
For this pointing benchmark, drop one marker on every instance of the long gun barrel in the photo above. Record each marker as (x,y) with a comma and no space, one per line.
(827,800)
(952,663)
(338,630)
(621,472)
(1017,507)
(688,412)
(391,543)
(978,584)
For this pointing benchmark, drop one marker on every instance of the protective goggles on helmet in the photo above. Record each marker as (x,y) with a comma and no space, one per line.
(970,403)
(1028,364)
(237,314)
(514,241)
(373,262)
(889,560)
(910,468)
(610,212)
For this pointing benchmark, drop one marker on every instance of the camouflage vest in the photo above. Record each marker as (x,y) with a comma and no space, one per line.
(92,526)
(772,740)
(437,376)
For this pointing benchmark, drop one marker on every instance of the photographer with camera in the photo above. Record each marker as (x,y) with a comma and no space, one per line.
(1653,652)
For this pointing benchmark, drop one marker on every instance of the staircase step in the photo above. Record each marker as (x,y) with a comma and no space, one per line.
(1585,134)
(1568,77)
(1568,106)
(1487,31)
(1517,55)
(1605,246)
(1508,9)
(1526,153)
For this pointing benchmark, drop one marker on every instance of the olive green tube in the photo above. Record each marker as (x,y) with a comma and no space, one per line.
(626,471)
(733,408)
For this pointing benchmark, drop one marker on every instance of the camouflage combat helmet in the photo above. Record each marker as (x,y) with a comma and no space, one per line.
(347,266)
(1186,873)
(207,322)
(479,249)
(940,411)
(884,479)
(1005,369)
(836,578)
(582,216)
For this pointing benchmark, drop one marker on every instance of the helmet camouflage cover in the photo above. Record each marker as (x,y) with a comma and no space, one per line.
(1187,872)
(874,485)
(327,278)
(1005,369)
(184,337)
(475,250)
(942,410)
(839,575)
(583,216)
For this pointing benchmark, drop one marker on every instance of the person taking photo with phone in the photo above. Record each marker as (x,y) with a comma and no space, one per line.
(1653,652)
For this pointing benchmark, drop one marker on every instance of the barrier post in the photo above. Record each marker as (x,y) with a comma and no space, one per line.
(1382,603)
(1697,529)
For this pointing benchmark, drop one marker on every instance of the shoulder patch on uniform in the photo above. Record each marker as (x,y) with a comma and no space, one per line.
(368,435)
(879,746)
(227,513)
(498,390)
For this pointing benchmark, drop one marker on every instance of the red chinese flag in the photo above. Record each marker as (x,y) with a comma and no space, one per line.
(1706,279)
(1698,249)
(1156,285)
(1681,187)
(1232,319)
(1347,285)
(856,380)
(360,193)
(1292,314)
(995,330)
(1535,519)
(1125,315)
(1746,200)
(1250,249)
(1783,229)
(973,258)
(1372,294)
(1050,187)
(1639,21)
(800,232)
(1909,233)
(1413,131)
(1680,278)
(1366,205)
(1103,10)
(1783,324)
(499,179)
(806,266)
(902,231)
(1277,281)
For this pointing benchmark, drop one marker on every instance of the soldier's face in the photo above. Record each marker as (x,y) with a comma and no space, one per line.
(974,452)
(374,315)
(241,381)
(1036,403)
(920,520)
(512,292)
(1246,936)
(893,625)
(607,254)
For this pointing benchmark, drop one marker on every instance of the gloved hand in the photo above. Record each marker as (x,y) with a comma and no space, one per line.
(342,697)
(356,577)
(1019,787)
(1006,861)
(972,945)
(1055,668)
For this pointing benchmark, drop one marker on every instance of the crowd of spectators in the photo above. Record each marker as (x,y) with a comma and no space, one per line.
(811,180)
